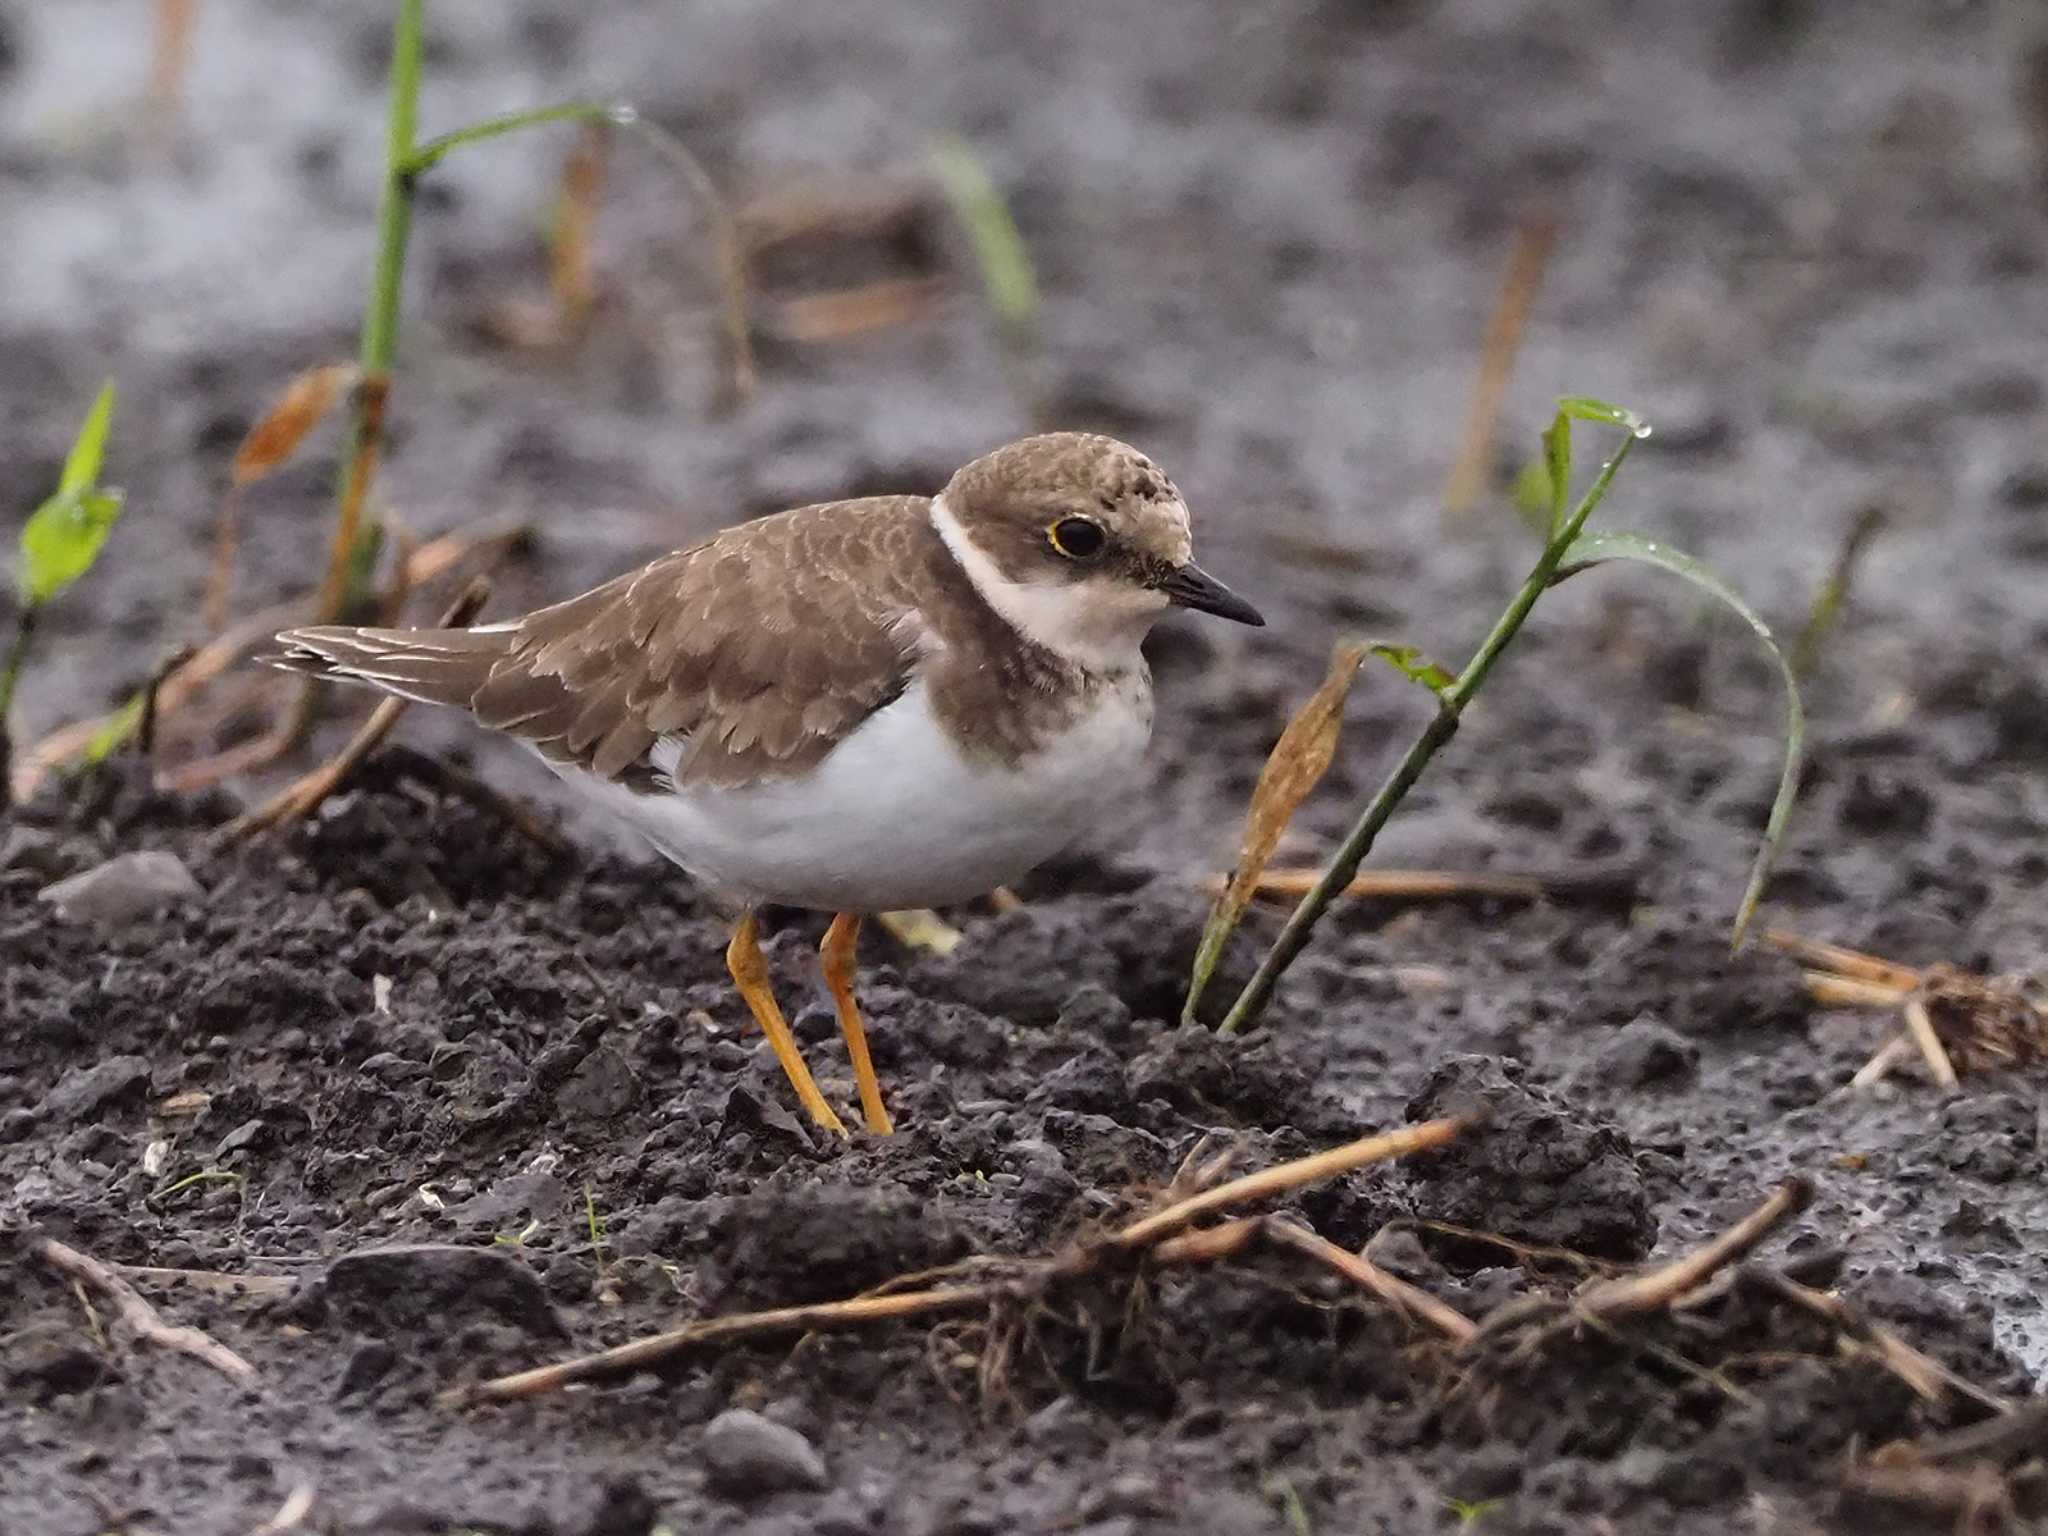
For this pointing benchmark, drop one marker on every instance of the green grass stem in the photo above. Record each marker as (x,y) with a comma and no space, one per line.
(1451,702)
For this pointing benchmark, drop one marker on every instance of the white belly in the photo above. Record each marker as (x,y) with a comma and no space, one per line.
(894,817)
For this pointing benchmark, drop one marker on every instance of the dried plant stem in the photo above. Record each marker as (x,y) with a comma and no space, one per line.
(1633,1295)
(220,576)
(1393,1290)
(1160,1236)
(1292,1175)
(1927,1377)
(213,1282)
(1535,238)
(134,1313)
(1920,1029)
(1832,991)
(1842,961)
(1343,867)
(1889,1056)
(2020,1429)
(179,685)
(819,1318)
(170,58)
(291,1515)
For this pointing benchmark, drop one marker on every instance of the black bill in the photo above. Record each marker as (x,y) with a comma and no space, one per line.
(1189,586)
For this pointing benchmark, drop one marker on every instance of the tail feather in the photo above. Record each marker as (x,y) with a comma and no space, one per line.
(429,666)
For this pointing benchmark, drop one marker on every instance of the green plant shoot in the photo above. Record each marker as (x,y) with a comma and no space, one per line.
(1569,549)
(59,543)
(1007,278)
(65,534)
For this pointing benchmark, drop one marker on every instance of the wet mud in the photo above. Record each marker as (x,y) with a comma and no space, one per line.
(464,1103)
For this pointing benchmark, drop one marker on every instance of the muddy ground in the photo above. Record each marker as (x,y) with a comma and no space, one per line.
(1809,248)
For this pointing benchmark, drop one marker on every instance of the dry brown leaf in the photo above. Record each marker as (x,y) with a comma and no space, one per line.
(303,405)
(1297,764)
(576,206)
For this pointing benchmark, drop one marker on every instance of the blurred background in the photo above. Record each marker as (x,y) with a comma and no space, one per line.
(1268,241)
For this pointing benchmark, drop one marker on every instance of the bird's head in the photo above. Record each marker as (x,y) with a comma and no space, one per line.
(1080,542)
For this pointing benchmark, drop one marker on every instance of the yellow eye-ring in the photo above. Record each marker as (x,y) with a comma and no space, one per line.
(1078,538)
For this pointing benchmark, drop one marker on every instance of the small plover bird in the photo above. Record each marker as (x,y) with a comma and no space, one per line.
(856,707)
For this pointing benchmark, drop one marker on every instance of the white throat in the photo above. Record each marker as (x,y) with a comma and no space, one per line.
(1097,624)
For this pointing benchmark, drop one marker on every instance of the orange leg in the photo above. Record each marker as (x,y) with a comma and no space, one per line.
(750,975)
(836,957)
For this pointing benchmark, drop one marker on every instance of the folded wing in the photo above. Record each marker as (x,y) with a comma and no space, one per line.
(756,651)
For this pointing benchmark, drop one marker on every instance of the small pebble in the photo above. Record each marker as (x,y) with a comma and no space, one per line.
(748,1455)
(124,890)
(84,1092)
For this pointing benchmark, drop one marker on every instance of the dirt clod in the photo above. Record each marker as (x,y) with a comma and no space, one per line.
(85,1093)
(1539,1168)
(430,1288)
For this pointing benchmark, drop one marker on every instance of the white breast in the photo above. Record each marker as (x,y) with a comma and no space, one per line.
(894,817)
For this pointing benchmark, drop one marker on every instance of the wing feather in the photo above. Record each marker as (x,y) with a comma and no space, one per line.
(758,650)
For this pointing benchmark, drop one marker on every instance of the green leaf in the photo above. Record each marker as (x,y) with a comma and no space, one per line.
(1530,493)
(1416,667)
(1586,408)
(82,464)
(1597,548)
(61,540)
(115,731)
(1007,277)
(1557,465)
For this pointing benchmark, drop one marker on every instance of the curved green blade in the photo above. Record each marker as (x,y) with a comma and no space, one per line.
(1592,549)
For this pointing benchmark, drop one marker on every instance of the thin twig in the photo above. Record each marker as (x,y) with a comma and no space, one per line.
(1920,1028)
(1223,1241)
(1292,1175)
(1832,991)
(1976,1495)
(1880,1066)
(1926,1376)
(921,929)
(152,692)
(2021,1429)
(213,1282)
(1524,1253)
(1634,1295)
(135,1314)
(291,1514)
(1398,1293)
(818,1318)
(1843,961)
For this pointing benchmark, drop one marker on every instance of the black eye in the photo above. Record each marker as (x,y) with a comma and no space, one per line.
(1077,538)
